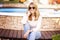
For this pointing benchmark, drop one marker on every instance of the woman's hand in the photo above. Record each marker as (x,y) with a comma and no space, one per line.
(27,33)
(28,13)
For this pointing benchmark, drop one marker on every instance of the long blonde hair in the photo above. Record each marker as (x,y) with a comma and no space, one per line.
(36,14)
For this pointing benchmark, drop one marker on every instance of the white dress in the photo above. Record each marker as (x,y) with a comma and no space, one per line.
(35,25)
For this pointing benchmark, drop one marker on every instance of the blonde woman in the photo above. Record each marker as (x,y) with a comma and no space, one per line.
(32,22)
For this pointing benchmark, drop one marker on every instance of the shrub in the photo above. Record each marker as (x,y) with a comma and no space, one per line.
(56,37)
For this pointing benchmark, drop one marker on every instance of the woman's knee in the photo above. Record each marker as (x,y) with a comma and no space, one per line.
(26,27)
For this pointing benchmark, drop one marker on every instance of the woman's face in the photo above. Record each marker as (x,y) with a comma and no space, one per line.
(32,9)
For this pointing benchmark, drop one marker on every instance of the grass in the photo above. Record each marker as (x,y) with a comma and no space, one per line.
(56,37)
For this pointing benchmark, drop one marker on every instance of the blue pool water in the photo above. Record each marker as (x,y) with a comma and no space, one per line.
(12,10)
(23,10)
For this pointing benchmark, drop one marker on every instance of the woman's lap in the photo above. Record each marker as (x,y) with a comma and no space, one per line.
(35,35)
(31,34)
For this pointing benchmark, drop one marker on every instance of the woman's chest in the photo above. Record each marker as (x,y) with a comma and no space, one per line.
(32,23)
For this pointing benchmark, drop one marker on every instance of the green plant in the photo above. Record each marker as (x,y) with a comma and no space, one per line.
(10,1)
(56,37)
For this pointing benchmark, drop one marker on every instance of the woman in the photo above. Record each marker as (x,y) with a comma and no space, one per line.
(32,22)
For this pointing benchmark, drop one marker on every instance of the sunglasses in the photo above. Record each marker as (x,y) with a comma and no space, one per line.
(31,8)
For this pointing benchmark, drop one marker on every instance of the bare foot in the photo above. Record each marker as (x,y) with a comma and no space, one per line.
(25,35)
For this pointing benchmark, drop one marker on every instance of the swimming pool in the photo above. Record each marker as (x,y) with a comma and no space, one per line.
(22,10)
(13,9)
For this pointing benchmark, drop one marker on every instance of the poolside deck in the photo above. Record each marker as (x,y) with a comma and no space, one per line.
(18,34)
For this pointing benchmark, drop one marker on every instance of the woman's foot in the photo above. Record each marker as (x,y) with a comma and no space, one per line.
(25,35)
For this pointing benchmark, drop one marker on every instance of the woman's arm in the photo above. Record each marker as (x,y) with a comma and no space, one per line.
(25,18)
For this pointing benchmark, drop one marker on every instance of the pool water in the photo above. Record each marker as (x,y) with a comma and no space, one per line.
(12,10)
(23,10)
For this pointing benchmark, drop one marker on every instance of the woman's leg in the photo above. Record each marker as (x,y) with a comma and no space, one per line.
(34,35)
(38,35)
(26,28)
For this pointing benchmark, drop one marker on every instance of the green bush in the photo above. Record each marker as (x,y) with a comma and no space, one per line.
(10,1)
(1,1)
(56,37)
